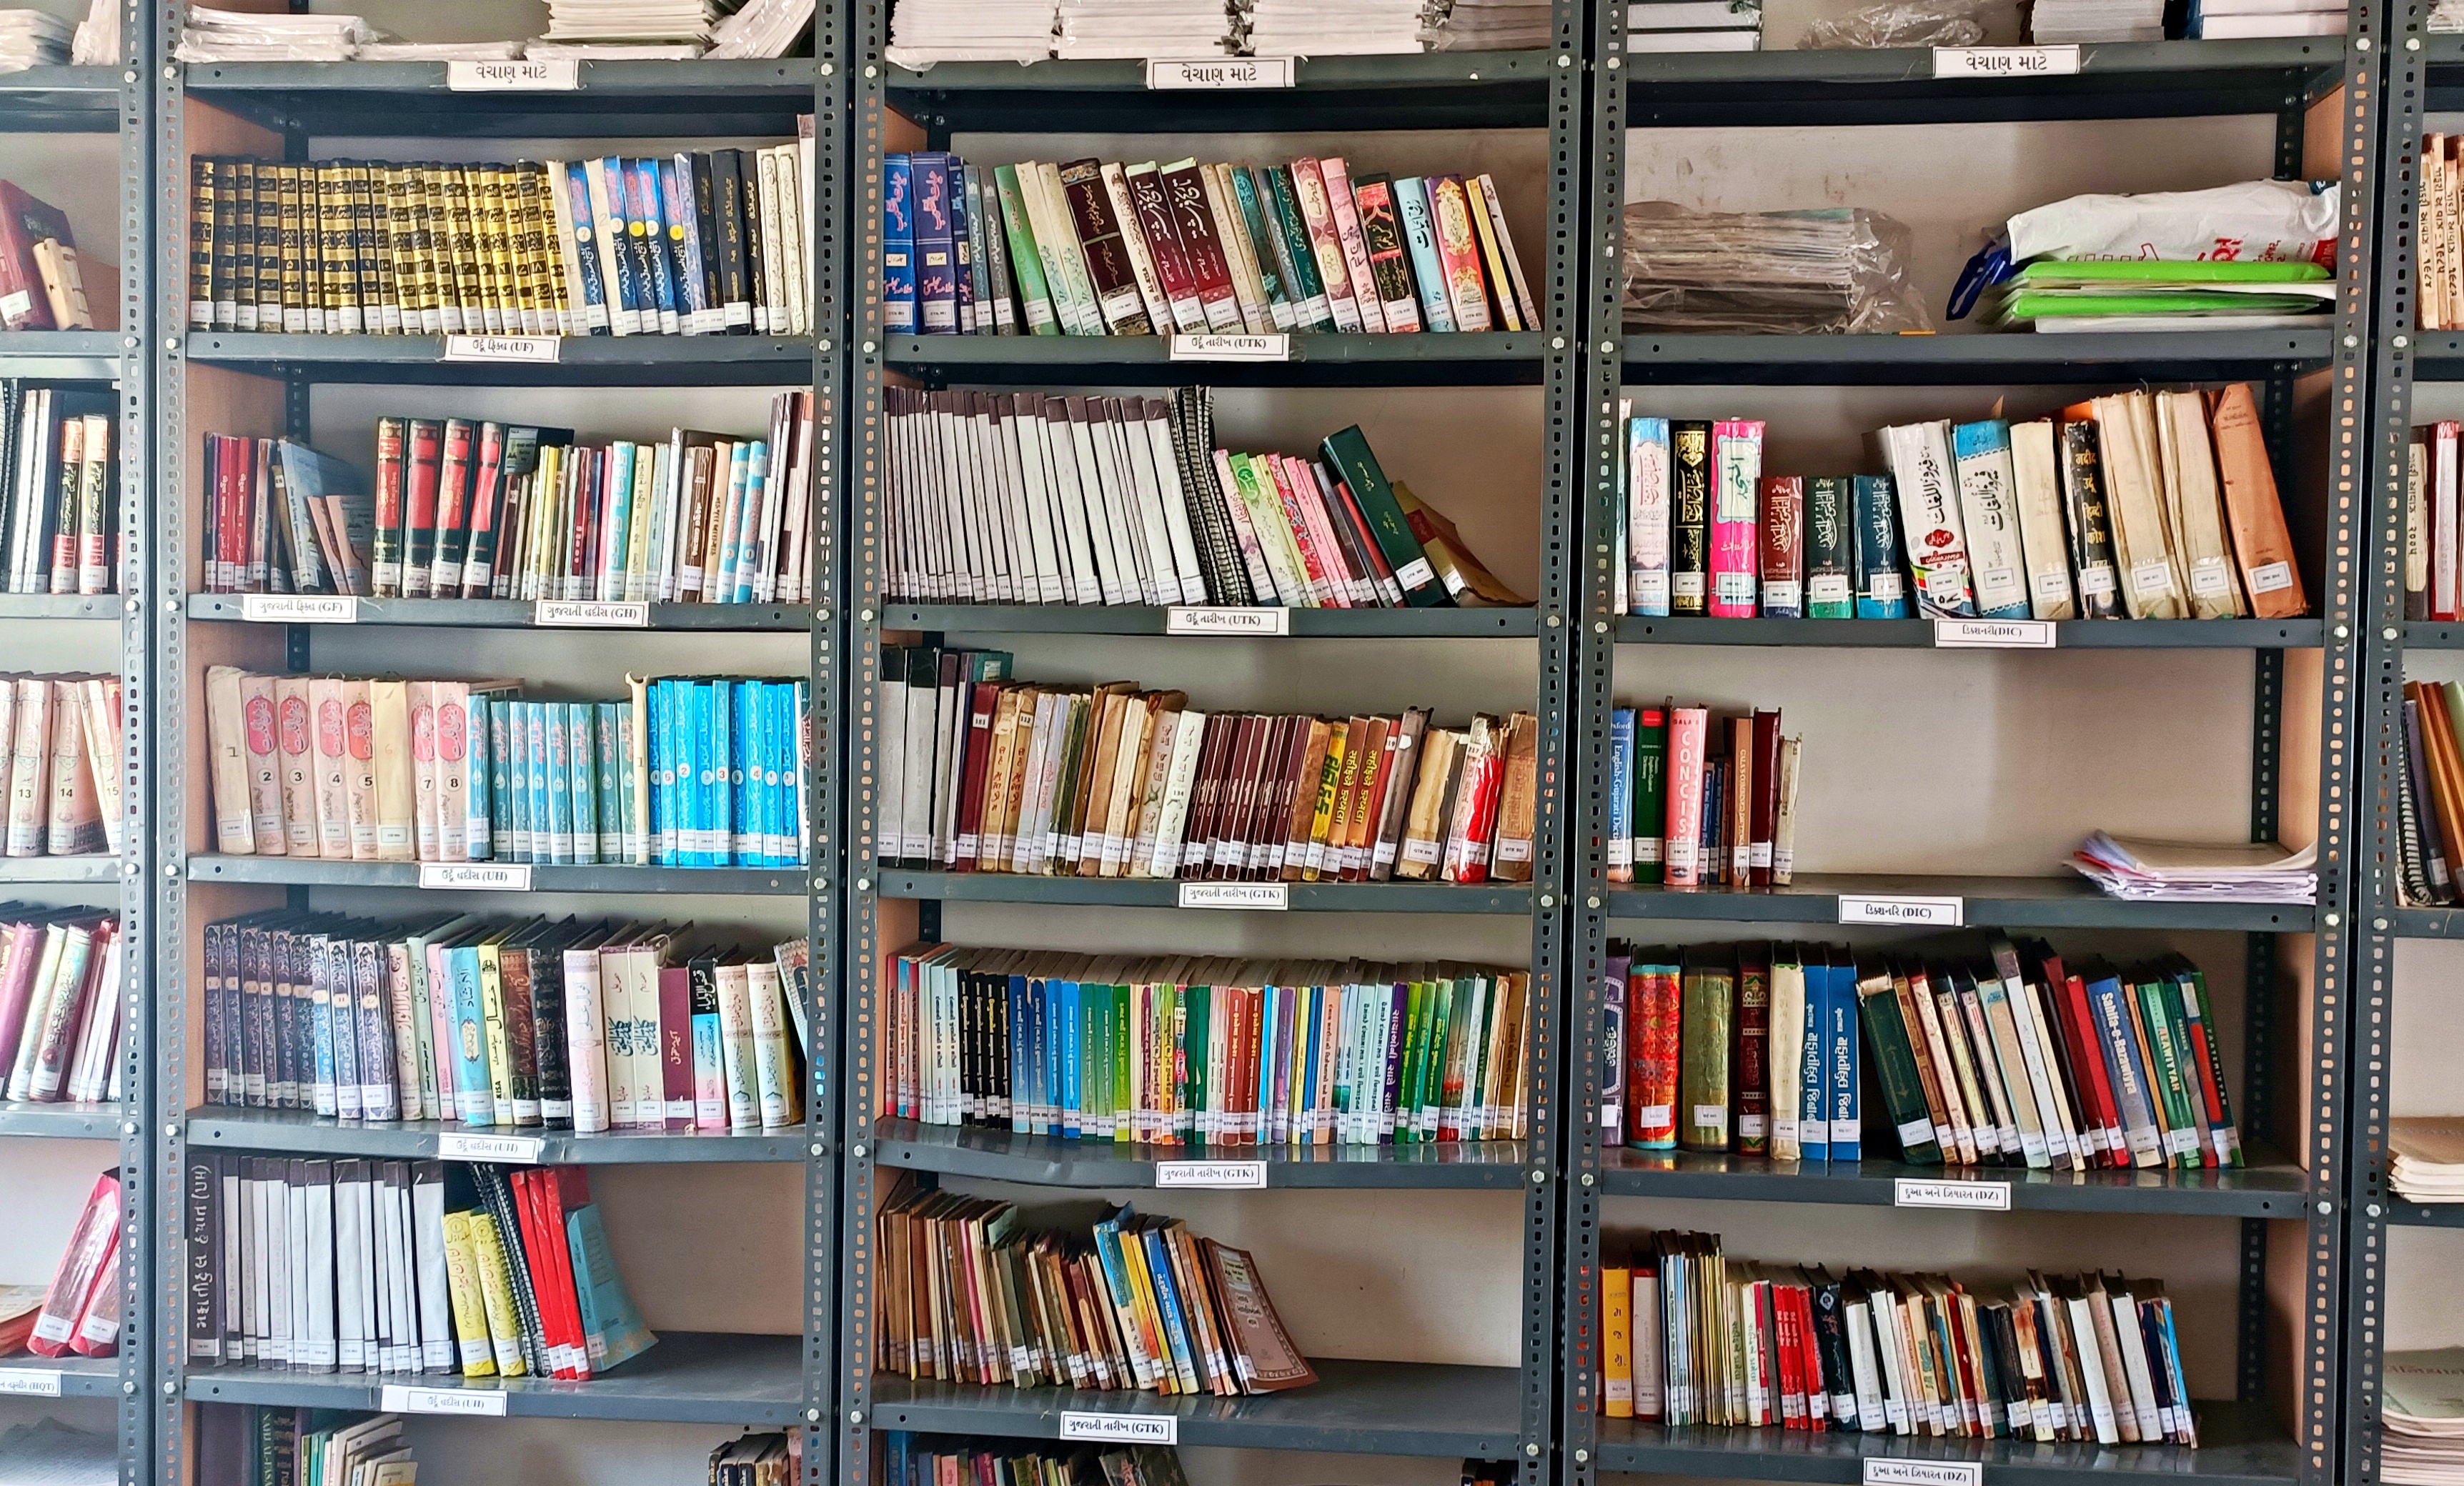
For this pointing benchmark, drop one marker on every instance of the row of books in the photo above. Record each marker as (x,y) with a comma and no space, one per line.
(1691,1337)
(61,518)
(689,771)
(60,1002)
(2441,233)
(1197,1051)
(588,1025)
(61,741)
(2154,505)
(79,1312)
(981,774)
(2005,1057)
(1097,248)
(1682,814)
(264,1445)
(772,1457)
(969,1293)
(2434,548)
(2429,802)
(1025,498)
(475,508)
(402,1267)
(700,242)
(932,1460)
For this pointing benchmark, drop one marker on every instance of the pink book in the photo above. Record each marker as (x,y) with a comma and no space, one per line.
(1322,582)
(1356,247)
(1311,496)
(1317,214)
(1736,474)
(82,1264)
(1682,838)
(20,954)
(440,1018)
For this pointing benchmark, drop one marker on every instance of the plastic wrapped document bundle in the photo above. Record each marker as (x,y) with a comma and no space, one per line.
(925,32)
(97,37)
(1487,25)
(1899,23)
(1838,269)
(1329,28)
(1139,29)
(763,28)
(2446,15)
(213,35)
(2251,222)
(29,39)
(670,22)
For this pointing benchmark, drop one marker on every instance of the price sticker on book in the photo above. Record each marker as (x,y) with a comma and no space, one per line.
(31,1381)
(1922,1472)
(1183,618)
(1122,1428)
(1916,912)
(464,1146)
(1983,634)
(1959,1196)
(2057,61)
(591,614)
(299,608)
(550,74)
(533,349)
(1265,897)
(1214,1175)
(469,1401)
(1220,73)
(1231,348)
(475,876)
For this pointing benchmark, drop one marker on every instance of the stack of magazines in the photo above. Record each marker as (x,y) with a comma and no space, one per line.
(654,29)
(2054,21)
(1323,27)
(2429,1165)
(925,32)
(1487,25)
(2154,871)
(29,39)
(1146,27)
(2421,1419)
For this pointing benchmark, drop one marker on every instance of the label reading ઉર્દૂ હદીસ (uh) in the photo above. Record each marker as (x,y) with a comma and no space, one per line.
(475,876)
(467,1146)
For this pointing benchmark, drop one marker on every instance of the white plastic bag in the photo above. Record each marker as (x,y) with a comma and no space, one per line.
(2254,222)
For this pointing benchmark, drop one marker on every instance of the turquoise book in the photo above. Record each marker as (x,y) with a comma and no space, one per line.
(610,1318)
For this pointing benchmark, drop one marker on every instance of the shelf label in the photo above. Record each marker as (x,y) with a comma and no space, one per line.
(1183,618)
(1963,1197)
(591,614)
(1980,634)
(1922,1472)
(502,348)
(550,74)
(1267,897)
(1922,913)
(1220,1175)
(2058,61)
(474,1403)
(31,1381)
(299,608)
(1220,71)
(464,1146)
(1231,348)
(475,876)
(1122,1428)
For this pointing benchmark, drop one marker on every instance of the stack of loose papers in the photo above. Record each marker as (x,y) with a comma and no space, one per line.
(1694,26)
(2421,1419)
(1488,26)
(763,28)
(925,32)
(29,39)
(1146,29)
(2429,1165)
(2153,872)
(213,35)
(673,22)
(440,50)
(2227,20)
(2051,22)
(1328,28)
(2155,294)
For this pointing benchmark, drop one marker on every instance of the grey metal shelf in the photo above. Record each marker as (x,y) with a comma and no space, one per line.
(1918,634)
(690,1377)
(2005,901)
(1319,358)
(308,872)
(582,360)
(2270,1187)
(2425,922)
(699,99)
(61,607)
(2423,1215)
(59,355)
(1043,1161)
(1062,619)
(1164,893)
(1355,1408)
(60,870)
(306,1133)
(78,1377)
(515,614)
(2028,357)
(2239,1445)
(60,101)
(1436,90)
(62,1122)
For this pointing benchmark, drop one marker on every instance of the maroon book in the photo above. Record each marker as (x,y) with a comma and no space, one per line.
(1108,259)
(1154,224)
(425,470)
(1194,221)
(1782,542)
(24,222)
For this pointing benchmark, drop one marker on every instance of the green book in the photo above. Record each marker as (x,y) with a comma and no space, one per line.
(1025,263)
(1123,1039)
(1310,307)
(2199,1008)
(2057,304)
(1709,990)
(1650,794)
(2156,1018)
(2165,271)
(1895,1066)
(1442,1042)
(1830,548)
(1347,450)
(1269,263)
(1407,1073)
(1201,1000)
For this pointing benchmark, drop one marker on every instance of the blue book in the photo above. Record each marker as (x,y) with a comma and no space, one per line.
(613,804)
(2134,1096)
(1647,574)
(684,245)
(636,831)
(649,229)
(616,530)
(683,794)
(1882,567)
(968,269)
(1812,1108)
(1420,237)
(787,773)
(510,741)
(320,1031)
(1845,1093)
(585,249)
(1614,978)
(581,755)
(471,1093)
(895,1451)
(1981,460)
(479,763)
(613,1324)
(897,247)
(625,297)
(534,781)
(744,770)
(1065,1012)
(936,271)
(1038,1056)
(1159,1269)
(1022,1078)
(560,784)
(1620,843)
(720,744)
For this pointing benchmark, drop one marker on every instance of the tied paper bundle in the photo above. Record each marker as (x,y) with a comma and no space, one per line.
(2422,1418)
(1768,272)
(1487,25)
(1329,28)
(1140,28)
(763,28)
(213,35)
(29,39)
(925,32)
(2153,261)
(440,50)
(1694,26)
(2052,22)
(2154,871)
(647,29)
(2429,1166)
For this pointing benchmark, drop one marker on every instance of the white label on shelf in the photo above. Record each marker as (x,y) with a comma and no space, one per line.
(299,609)
(476,876)
(591,614)
(1220,71)
(1968,1196)
(502,348)
(31,1381)
(550,74)
(1930,912)
(1269,897)
(464,1146)
(1982,634)
(2058,61)
(1231,348)
(1225,1176)
(1122,1428)
(1185,619)
(1922,1472)
(489,1403)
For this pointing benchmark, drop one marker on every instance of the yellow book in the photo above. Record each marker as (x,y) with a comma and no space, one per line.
(1492,261)
(470,1307)
(1616,1342)
(496,1289)
(1329,781)
(492,1021)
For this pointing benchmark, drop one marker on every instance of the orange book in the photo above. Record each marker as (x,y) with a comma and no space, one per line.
(2254,510)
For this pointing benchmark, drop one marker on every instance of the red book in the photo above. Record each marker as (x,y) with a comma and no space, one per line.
(1791,1362)
(583,544)
(1375,780)
(1224,855)
(82,1264)
(384,562)
(1753,1051)
(552,1272)
(1682,844)
(1652,1023)
(1763,820)
(526,1221)
(423,470)
(97,1329)
(1323,583)
(1381,573)
(487,500)
(1782,562)
(983,701)
(1274,810)
(1194,221)
(2087,1055)
(234,458)
(1817,1398)
(1221,729)
(453,505)
(565,1189)
(24,222)
(1152,214)
(676,1046)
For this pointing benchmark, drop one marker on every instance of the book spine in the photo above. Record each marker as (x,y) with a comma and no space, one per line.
(1782,577)
(1110,273)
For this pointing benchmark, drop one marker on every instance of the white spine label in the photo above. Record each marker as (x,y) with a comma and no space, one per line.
(1223,1175)
(1122,1428)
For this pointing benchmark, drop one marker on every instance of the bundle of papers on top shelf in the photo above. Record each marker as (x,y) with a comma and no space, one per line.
(2052,22)
(439,51)
(97,35)
(925,32)
(1138,28)
(1329,28)
(1487,25)
(1694,26)
(212,36)
(2153,872)
(763,28)
(2429,1165)
(30,38)
(659,21)
(2226,20)
(2421,1419)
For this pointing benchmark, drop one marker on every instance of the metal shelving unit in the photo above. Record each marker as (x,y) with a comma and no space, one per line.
(2243,1439)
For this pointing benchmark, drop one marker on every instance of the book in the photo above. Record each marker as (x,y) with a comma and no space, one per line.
(62,1002)
(62,523)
